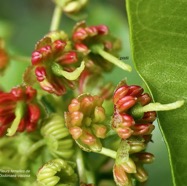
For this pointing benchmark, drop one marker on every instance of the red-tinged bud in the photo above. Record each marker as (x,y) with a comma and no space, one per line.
(91,31)
(45,51)
(122,120)
(6,98)
(76,118)
(74,106)
(7,109)
(102,29)
(124,132)
(88,138)
(143,157)
(81,34)
(108,45)
(125,103)
(129,166)
(18,92)
(120,176)
(120,93)
(141,174)
(82,48)
(59,45)
(135,90)
(143,129)
(100,131)
(76,132)
(148,117)
(33,113)
(40,73)
(144,99)
(68,58)
(36,57)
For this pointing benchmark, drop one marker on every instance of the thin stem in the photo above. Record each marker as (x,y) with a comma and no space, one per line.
(18,116)
(112,59)
(137,111)
(56,18)
(80,165)
(108,152)
(20,58)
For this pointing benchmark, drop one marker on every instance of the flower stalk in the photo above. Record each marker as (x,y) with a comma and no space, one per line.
(98,49)
(56,18)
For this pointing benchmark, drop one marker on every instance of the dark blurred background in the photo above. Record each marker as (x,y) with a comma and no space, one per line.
(23,23)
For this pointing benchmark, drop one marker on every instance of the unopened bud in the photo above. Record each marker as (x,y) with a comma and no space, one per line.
(124,132)
(129,166)
(141,174)
(143,157)
(125,103)
(76,132)
(120,176)
(99,114)
(68,58)
(143,129)
(99,130)
(136,144)
(144,99)
(135,90)
(36,57)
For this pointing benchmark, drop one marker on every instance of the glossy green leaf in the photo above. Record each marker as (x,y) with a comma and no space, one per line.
(158,31)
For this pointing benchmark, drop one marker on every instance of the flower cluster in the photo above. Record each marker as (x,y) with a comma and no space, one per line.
(134,130)
(54,51)
(19,110)
(86,38)
(85,120)
(124,122)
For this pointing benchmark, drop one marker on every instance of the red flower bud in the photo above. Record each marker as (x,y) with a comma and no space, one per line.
(68,58)
(143,129)
(36,57)
(144,99)
(125,103)
(59,45)
(40,73)
(102,29)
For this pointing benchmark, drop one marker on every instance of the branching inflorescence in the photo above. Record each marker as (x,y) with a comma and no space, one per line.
(73,113)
